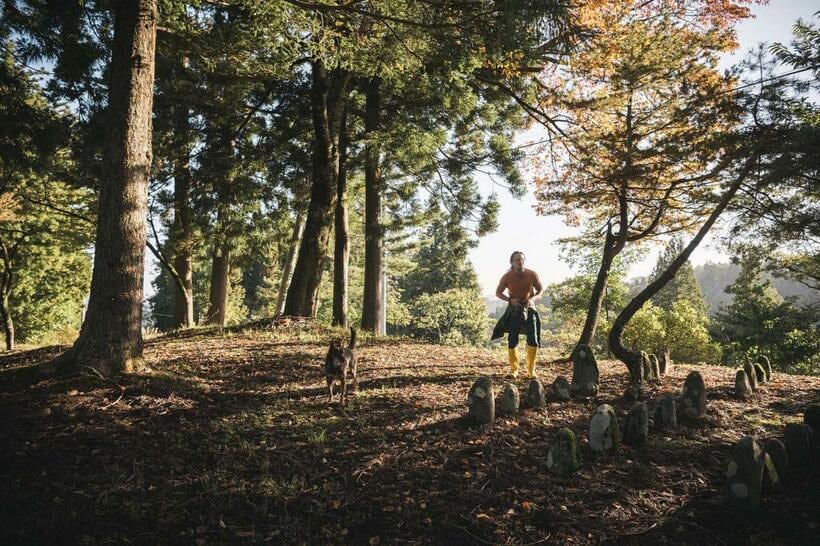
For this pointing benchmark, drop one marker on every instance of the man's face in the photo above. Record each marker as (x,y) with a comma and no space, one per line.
(518,262)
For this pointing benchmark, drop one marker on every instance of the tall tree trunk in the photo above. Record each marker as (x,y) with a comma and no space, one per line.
(328,96)
(111,336)
(341,254)
(612,247)
(372,308)
(290,262)
(632,359)
(182,233)
(220,279)
(6,281)
(8,323)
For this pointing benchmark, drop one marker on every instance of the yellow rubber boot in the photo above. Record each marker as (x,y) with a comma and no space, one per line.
(531,354)
(513,353)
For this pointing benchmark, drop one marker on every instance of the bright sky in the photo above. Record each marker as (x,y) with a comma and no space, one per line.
(521,229)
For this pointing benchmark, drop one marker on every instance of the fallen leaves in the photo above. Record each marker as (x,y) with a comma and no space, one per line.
(231,440)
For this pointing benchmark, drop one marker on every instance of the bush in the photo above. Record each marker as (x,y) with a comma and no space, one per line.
(455,317)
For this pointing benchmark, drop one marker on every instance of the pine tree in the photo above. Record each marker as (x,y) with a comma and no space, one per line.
(683,287)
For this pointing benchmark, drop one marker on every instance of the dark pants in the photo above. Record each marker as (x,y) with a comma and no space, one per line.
(531,327)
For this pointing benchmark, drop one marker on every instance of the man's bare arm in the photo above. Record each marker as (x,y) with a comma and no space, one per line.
(537,287)
(499,292)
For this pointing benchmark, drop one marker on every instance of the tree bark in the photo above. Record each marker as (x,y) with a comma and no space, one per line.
(290,262)
(110,339)
(632,359)
(183,239)
(372,309)
(6,281)
(220,278)
(8,323)
(341,254)
(612,247)
(328,96)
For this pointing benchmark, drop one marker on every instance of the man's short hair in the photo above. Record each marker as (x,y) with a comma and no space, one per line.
(512,256)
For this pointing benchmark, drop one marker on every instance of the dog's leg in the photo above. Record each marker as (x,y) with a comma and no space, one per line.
(355,379)
(344,388)
(329,389)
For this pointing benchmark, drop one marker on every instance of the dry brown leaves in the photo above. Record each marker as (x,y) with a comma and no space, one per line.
(230,439)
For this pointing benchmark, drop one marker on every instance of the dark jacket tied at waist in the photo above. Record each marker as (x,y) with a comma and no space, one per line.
(503,325)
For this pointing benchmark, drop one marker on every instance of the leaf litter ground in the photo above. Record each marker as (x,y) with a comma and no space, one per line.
(229,439)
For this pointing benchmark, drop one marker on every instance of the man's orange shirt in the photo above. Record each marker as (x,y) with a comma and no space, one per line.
(520,286)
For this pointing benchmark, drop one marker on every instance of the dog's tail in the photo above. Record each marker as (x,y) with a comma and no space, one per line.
(352,343)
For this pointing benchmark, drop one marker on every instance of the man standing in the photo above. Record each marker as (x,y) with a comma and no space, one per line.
(521,285)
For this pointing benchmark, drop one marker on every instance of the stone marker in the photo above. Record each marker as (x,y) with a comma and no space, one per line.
(665,362)
(536,396)
(761,374)
(584,373)
(743,389)
(751,373)
(510,400)
(744,474)
(481,401)
(665,415)
(654,367)
(771,478)
(564,457)
(812,418)
(777,453)
(764,361)
(560,389)
(636,427)
(799,442)
(646,367)
(693,397)
(604,432)
(633,393)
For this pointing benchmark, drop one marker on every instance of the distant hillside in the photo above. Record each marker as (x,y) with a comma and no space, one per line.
(714,278)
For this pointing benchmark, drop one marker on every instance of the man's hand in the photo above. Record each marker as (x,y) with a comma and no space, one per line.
(521,303)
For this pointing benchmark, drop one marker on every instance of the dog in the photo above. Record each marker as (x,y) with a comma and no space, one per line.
(339,362)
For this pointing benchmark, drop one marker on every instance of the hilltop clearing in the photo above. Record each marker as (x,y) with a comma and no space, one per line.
(230,439)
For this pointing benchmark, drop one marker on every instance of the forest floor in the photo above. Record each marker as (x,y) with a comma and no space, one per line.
(229,439)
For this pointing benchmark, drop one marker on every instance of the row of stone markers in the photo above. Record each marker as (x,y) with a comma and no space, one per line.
(482,402)
(749,378)
(563,457)
(585,374)
(751,465)
(605,432)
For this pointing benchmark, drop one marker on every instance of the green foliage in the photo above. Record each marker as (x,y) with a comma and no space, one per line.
(646,329)
(441,261)
(686,333)
(454,317)
(683,286)
(49,291)
(760,321)
(783,227)
(682,327)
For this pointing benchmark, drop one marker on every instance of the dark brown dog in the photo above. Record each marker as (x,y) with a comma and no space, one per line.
(339,362)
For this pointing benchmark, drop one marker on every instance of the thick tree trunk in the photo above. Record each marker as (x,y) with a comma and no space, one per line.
(290,262)
(182,233)
(372,309)
(341,254)
(6,281)
(328,96)
(632,359)
(612,248)
(111,336)
(220,278)
(8,323)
